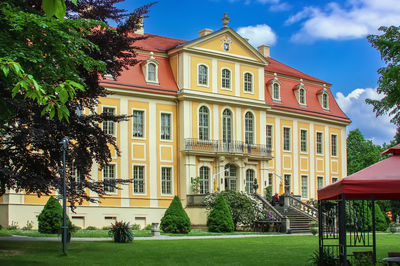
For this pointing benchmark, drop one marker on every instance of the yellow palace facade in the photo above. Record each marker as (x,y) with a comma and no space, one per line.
(215,110)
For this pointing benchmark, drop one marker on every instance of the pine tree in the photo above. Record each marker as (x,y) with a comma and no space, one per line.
(175,219)
(220,218)
(51,217)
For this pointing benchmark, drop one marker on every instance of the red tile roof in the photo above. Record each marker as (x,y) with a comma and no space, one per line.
(156,43)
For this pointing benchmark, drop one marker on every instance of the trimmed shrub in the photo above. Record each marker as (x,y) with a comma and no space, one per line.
(51,218)
(380,220)
(175,218)
(121,232)
(220,218)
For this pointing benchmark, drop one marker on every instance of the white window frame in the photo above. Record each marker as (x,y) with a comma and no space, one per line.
(290,183)
(322,143)
(232,127)
(144,180)
(253,131)
(144,124)
(201,185)
(304,100)
(273,90)
(324,94)
(306,187)
(207,75)
(334,152)
(75,174)
(251,91)
(249,181)
(209,122)
(271,137)
(230,79)
(334,180)
(171,181)
(170,126)
(109,121)
(155,63)
(319,178)
(115,191)
(305,141)
(290,139)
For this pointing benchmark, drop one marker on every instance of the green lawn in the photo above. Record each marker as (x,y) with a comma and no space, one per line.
(279,250)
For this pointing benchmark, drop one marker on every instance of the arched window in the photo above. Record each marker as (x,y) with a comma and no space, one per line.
(249,128)
(276,92)
(248,82)
(249,181)
(151,72)
(203,75)
(226,79)
(204,179)
(230,177)
(325,101)
(203,123)
(302,96)
(227,126)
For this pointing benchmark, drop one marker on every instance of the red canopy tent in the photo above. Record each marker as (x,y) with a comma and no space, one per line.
(380,181)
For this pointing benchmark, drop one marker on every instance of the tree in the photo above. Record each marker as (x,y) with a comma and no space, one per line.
(175,219)
(51,218)
(389,81)
(220,218)
(361,153)
(52,52)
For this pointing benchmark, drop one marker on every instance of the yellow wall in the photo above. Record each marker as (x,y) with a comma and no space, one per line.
(254,71)
(195,62)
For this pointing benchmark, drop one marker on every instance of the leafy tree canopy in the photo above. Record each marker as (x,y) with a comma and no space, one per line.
(64,59)
(388,45)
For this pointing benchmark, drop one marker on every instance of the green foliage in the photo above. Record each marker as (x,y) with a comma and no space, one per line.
(381,223)
(147,227)
(135,226)
(389,81)
(220,218)
(175,219)
(91,228)
(28,226)
(195,185)
(393,227)
(50,219)
(244,209)
(121,232)
(13,226)
(363,259)
(361,153)
(325,259)
(268,193)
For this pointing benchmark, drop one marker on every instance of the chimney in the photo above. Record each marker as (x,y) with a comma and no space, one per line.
(264,50)
(140,29)
(205,32)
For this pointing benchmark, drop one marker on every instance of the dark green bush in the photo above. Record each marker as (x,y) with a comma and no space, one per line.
(91,228)
(147,227)
(51,218)
(135,227)
(121,232)
(325,259)
(220,218)
(175,218)
(380,220)
(268,193)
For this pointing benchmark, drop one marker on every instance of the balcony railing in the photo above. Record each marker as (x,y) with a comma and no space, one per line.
(227,147)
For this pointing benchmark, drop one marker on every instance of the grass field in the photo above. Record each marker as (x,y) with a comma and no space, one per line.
(273,250)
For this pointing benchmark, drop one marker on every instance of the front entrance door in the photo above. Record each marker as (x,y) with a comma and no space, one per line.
(230,177)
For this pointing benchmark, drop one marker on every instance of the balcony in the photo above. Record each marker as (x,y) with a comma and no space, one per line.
(235,148)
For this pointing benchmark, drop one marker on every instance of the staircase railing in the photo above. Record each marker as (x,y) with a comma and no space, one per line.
(305,208)
(268,206)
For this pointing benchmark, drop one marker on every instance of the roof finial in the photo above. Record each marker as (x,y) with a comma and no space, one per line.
(225,20)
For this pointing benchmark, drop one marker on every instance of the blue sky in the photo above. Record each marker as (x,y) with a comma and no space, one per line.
(325,39)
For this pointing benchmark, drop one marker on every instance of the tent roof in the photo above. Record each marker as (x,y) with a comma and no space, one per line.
(380,180)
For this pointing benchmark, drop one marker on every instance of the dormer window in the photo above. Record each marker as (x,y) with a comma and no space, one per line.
(300,93)
(276,92)
(274,88)
(248,82)
(150,69)
(323,98)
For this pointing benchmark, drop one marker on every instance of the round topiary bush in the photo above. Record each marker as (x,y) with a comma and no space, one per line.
(175,218)
(51,218)
(220,218)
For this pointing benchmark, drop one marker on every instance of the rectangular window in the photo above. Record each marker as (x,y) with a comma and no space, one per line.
(138,179)
(75,174)
(320,182)
(304,186)
(303,140)
(138,123)
(334,180)
(165,126)
(286,139)
(166,180)
(108,125)
(270,178)
(334,145)
(269,137)
(109,177)
(319,143)
(288,188)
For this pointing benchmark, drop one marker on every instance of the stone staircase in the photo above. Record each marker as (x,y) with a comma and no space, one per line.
(298,220)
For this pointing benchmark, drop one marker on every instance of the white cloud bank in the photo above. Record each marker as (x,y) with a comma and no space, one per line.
(258,35)
(354,19)
(377,129)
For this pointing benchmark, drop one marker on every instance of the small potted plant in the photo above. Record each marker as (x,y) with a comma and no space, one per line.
(393,227)
(121,232)
(313,227)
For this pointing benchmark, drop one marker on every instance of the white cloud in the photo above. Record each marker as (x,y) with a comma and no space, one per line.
(355,19)
(377,129)
(258,35)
